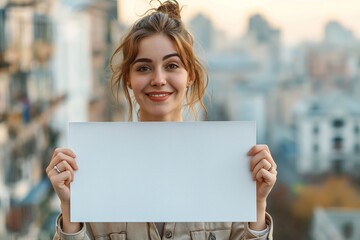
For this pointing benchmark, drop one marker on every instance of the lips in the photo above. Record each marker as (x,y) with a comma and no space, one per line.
(158,96)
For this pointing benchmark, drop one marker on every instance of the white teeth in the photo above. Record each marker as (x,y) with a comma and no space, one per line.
(159,95)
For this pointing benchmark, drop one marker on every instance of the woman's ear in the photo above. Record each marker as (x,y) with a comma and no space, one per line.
(128,84)
(190,81)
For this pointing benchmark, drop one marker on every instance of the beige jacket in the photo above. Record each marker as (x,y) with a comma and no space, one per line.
(172,231)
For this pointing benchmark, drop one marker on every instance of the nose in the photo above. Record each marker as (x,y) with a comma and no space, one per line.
(159,78)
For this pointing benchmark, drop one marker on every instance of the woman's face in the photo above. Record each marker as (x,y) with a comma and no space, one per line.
(158,79)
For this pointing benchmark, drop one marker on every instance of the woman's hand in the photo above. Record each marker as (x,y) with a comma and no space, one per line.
(61,172)
(263,170)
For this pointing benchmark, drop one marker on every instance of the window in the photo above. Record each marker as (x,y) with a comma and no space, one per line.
(316,129)
(338,143)
(338,123)
(357,148)
(348,230)
(338,166)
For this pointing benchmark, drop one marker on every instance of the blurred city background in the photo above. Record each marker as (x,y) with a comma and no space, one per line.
(303,93)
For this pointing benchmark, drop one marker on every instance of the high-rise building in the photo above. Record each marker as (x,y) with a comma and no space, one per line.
(340,224)
(261,32)
(263,42)
(328,134)
(337,34)
(2,33)
(55,52)
(202,29)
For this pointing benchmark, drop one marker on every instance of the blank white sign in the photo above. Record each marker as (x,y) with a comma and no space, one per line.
(162,172)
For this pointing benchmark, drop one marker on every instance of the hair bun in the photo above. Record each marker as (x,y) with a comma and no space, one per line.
(170,7)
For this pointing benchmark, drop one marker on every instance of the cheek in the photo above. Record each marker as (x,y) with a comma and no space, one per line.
(136,90)
(136,84)
(181,81)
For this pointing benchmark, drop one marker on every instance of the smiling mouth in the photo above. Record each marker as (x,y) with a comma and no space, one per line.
(158,96)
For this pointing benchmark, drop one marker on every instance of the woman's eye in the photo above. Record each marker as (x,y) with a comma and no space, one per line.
(143,69)
(172,66)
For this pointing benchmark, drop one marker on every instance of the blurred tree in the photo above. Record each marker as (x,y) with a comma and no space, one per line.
(279,206)
(332,192)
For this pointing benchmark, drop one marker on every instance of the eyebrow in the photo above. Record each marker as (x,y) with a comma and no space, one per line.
(149,60)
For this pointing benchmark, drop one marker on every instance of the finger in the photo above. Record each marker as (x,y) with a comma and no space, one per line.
(58,181)
(259,156)
(54,159)
(66,151)
(51,172)
(65,166)
(62,166)
(266,176)
(273,171)
(258,148)
(262,164)
(59,158)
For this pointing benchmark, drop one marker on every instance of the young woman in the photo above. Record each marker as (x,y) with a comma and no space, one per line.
(160,69)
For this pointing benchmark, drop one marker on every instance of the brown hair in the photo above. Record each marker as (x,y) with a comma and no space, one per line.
(166,19)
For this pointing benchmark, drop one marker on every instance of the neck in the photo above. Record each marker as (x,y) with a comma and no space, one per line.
(167,118)
(157,119)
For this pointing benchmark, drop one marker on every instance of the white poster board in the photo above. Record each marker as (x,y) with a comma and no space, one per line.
(162,172)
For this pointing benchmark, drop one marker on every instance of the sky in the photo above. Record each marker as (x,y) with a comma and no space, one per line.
(298,20)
